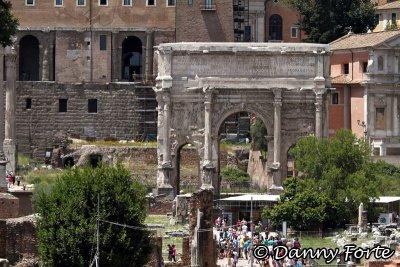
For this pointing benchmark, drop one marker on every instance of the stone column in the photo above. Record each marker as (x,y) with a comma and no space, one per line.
(261,26)
(1,97)
(163,138)
(149,56)
(45,67)
(208,166)
(395,116)
(276,166)
(9,145)
(319,102)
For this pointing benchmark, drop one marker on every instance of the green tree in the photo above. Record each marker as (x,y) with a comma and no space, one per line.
(337,175)
(8,23)
(68,212)
(327,20)
(235,176)
(258,135)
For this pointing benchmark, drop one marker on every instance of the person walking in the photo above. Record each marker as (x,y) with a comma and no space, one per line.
(174,253)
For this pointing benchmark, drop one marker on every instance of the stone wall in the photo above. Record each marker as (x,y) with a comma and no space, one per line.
(9,206)
(19,239)
(117,116)
(25,206)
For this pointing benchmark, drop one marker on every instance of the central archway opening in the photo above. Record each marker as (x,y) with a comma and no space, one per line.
(29,58)
(243,151)
(131,59)
(188,177)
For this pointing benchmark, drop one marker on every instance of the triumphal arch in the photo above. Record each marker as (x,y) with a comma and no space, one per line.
(200,84)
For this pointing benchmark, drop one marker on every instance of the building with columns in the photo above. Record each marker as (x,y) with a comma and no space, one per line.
(365,70)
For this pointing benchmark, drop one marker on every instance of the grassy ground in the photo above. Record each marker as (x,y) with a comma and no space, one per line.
(317,242)
(177,241)
(79,143)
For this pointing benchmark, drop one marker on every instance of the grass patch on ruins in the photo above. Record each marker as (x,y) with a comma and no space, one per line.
(177,241)
(41,176)
(317,242)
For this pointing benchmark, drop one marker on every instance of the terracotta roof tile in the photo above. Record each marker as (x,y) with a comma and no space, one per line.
(392,5)
(364,40)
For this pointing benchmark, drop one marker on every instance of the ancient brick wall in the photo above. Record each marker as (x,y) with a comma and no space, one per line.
(25,202)
(3,232)
(9,206)
(21,241)
(117,114)
(194,23)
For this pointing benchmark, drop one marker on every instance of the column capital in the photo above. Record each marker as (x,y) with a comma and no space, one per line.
(319,92)
(277,93)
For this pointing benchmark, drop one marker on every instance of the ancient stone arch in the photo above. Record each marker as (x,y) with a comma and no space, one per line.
(200,84)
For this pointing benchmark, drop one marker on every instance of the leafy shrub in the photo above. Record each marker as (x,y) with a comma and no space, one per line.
(235,175)
(68,216)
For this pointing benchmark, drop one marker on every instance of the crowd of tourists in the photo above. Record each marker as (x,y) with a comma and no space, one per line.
(237,241)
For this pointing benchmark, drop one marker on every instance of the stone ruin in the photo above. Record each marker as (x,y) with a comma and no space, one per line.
(180,208)
(202,244)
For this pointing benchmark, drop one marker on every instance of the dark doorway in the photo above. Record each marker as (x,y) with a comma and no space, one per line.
(275,28)
(131,59)
(68,162)
(95,160)
(29,58)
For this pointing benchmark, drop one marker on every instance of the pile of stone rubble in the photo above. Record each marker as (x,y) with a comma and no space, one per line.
(386,235)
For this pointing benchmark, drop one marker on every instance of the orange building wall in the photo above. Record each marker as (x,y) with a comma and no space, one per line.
(290,17)
(355,61)
(357,110)
(138,16)
(336,113)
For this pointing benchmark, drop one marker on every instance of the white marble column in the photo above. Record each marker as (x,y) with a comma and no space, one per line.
(208,166)
(9,145)
(163,150)
(276,166)
(319,107)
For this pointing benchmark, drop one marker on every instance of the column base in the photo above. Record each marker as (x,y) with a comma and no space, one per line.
(10,153)
(275,190)
(166,190)
(206,187)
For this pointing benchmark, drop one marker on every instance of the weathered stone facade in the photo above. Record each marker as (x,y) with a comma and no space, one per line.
(200,84)
(9,206)
(118,113)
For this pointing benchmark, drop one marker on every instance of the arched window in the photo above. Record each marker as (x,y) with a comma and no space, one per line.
(29,58)
(380,63)
(275,27)
(131,58)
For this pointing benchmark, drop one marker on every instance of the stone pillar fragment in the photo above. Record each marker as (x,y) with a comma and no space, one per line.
(319,106)
(149,56)
(276,166)
(2,86)
(163,138)
(208,166)
(46,67)
(9,145)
